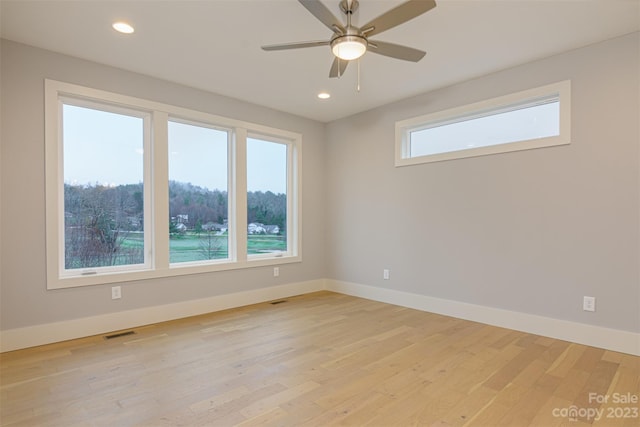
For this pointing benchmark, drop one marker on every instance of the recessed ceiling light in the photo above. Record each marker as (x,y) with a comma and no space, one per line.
(324,95)
(123,27)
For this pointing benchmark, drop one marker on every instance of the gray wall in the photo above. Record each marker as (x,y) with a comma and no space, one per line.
(530,231)
(24,298)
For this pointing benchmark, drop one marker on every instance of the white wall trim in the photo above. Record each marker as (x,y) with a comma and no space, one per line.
(31,336)
(595,336)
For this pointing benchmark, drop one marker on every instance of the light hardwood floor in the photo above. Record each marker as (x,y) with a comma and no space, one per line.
(316,360)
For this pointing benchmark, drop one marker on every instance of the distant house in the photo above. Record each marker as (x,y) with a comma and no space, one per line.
(272,229)
(214,226)
(134,221)
(258,228)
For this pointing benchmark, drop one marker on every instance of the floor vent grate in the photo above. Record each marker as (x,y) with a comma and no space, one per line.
(118,335)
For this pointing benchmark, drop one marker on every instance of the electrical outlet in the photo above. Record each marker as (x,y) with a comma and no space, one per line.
(589,304)
(385,274)
(276,271)
(116,292)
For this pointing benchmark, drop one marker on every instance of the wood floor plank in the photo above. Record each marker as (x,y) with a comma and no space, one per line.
(471,404)
(315,360)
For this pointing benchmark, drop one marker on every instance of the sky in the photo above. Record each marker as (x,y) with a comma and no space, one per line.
(517,125)
(107,148)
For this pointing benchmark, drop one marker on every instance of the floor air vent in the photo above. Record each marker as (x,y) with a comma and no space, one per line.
(118,335)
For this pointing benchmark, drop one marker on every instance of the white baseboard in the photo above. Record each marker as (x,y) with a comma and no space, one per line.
(31,336)
(595,336)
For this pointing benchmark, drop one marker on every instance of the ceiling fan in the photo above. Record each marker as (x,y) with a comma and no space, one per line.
(350,42)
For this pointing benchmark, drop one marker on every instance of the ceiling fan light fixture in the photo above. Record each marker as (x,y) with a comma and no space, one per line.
(349,47)
(123,27)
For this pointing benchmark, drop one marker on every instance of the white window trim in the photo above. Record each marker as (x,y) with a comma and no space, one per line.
(147,123)
(404,128)
(157,253)
(292,200)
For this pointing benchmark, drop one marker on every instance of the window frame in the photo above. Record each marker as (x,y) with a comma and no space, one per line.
(231,246)
(527,98)
(292,196)
(157,196)
(146,145)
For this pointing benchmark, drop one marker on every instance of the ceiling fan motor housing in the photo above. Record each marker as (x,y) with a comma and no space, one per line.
(349,7)
(352,43)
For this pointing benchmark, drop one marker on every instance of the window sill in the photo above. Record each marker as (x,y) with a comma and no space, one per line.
(173,271)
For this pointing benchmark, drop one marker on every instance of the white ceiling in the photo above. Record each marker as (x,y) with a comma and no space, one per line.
(215,44)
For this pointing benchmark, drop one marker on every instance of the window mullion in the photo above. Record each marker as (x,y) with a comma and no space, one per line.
(292,199)
(160,191)
(238,207)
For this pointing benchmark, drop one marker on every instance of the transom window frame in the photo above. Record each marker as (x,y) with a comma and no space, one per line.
(523,99)
(156,171)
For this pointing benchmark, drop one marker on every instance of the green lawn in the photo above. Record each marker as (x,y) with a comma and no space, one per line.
(259,244)
(193,247)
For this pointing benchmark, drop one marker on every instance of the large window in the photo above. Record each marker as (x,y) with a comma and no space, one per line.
(531,119)
(198,193)
(138,189)
(103,202)
(266,197)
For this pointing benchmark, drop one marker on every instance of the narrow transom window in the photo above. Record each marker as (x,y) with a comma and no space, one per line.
(525,120)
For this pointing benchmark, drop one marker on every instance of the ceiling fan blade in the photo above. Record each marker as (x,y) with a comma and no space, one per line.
(397,16)
(395,51)
(338,67)
(323,14)
(295,45)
